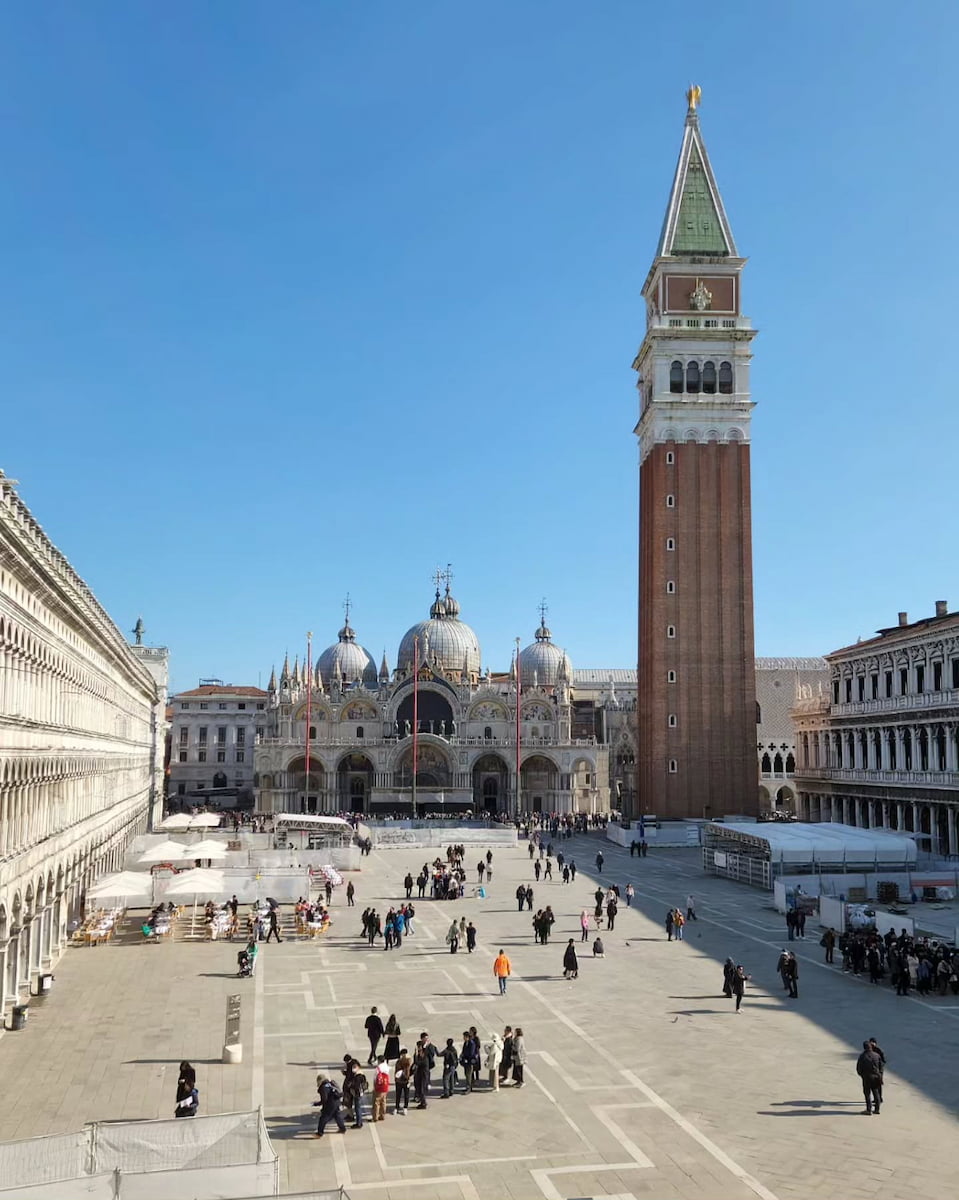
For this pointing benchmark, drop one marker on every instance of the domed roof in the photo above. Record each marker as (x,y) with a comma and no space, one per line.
(444,640)
(543,660)
(346,660)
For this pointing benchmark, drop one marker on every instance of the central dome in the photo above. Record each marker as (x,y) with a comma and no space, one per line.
(544,661)
(444,640)
(346,660)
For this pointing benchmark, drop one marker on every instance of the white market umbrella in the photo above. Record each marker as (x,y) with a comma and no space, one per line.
(165,852)
(121,886)
(206,849)
(177,821)
(205,821)
(195,883)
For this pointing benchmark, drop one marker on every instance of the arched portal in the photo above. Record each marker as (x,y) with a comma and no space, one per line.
(432,768)
(311,795)
(354,783)
(490,784)
(539,784)
(433,711)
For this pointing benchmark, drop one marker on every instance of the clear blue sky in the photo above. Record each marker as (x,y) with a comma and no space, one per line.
(306,298)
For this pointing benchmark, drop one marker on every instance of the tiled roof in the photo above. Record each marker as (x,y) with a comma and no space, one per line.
(222,689)
(603,675)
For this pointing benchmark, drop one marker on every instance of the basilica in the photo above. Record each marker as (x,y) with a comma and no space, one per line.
(342,735)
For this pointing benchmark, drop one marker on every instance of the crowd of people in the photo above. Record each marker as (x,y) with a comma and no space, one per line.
(921,964)
(472,1065)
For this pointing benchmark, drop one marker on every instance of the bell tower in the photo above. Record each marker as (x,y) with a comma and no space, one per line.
(696,710)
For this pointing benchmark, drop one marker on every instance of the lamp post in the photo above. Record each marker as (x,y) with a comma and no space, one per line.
(518,688)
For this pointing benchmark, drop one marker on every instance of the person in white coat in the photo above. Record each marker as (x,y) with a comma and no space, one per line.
(492,1057)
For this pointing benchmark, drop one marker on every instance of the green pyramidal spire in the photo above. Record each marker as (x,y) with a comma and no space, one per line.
(696,222)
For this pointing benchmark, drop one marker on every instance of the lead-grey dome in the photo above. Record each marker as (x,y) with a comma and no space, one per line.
(346,660)
(543,661)
(444,640)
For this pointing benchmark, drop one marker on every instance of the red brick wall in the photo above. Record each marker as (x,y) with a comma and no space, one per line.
(714,698)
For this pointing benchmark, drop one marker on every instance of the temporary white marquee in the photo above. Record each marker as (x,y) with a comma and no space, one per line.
(825,842)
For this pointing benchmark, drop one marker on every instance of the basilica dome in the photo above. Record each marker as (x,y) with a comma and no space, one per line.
(543,661)
(346,660)
(444,640)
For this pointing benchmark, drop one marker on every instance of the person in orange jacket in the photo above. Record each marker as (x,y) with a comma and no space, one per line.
(502,970)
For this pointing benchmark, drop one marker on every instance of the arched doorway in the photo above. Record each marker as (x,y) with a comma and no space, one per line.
(354,783)
(490,784)
(764,801)
(786,799)
(539,783)
(219,780)
(311,794)
(584,785)
(433,711)
(432,768)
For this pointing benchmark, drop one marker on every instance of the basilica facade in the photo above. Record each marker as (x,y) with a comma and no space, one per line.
(342,735)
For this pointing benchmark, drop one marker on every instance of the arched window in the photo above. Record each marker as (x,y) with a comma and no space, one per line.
(670,587)
(488,733)
(670,676)
(312,731)
(359,731)
(767,765)
(790,764)
(726,378)
(670,543)
(672,766)
(670,631)
(670,458)
(676,377)
(778,764)
(692,377)
(709,377)
(672,721)
(759,714)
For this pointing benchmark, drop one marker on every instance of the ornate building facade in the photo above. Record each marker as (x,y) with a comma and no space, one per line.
(215,729)
(359,724)
(81,738)
(696,703)
(880,748)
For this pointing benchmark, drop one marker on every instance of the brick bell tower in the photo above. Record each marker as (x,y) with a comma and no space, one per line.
(696,710)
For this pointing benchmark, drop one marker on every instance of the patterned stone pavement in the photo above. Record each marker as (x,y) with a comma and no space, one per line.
(641,1081)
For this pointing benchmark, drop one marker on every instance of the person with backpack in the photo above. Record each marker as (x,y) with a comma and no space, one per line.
(381,1089)
(355,1087)
(328,1104)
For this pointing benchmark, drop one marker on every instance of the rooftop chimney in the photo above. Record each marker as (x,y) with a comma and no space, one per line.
(903,618)
(942,608)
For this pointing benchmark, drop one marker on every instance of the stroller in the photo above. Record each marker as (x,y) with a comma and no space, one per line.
(244,964)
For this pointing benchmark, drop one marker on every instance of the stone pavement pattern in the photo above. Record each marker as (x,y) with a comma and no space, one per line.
(641,1080)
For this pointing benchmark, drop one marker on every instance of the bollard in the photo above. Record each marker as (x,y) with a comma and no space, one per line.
(233,1054)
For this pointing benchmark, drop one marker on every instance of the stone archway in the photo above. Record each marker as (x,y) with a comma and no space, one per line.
(434,713)
(311,794)
(432,768)
(490,778)
(765,801)
(539,777)
(354,783)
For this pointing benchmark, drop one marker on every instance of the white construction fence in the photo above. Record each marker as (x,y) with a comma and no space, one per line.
(207,1158)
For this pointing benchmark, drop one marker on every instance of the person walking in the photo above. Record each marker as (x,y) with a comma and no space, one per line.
(519,1057)
(869,1070)
(391,1050)
(374,1031)
(274,926)
(355,1087)
(421,881)
(470,937)
(572,869)
(450,1058)
(669,925)
(792,976)
(828,942)
(401,1079)
(878,1051)
(502,969)
(599,862)
(529,897)
(520,897)
(781,968)
(408,884)
(612,908)
(492,1057)
(791,924)
(570,961)
(453,936)
(548,874)
(537,870)
(729,970)
(584,925)
(678,922)
(691,908)
(630,893)
(739,985)
(328,1104)
(187,1096)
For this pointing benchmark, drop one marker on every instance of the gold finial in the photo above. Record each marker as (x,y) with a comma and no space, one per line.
(693,96)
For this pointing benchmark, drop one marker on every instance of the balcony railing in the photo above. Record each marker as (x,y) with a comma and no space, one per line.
(863,775)
(344,740)
(917,701)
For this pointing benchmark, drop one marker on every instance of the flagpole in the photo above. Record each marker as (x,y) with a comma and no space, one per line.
(416,715)
(518,789)
(309,712)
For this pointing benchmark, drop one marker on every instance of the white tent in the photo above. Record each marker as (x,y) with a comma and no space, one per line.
(198,882)
(822,842)
(208,848)
(177,821)
(205,821)
(124,885)
(167,851)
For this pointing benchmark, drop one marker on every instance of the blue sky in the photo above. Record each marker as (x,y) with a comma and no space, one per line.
(308,298)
